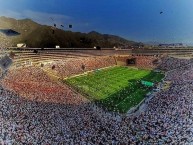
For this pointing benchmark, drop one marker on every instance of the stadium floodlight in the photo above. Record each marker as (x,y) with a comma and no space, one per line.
(70,26)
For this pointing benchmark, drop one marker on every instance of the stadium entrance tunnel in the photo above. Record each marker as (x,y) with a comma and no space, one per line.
(156,62)
(131,62)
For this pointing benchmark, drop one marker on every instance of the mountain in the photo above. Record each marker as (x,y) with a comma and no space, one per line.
(36,35)
(152,43)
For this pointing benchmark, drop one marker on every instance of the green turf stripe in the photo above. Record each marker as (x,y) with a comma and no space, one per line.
(116,88)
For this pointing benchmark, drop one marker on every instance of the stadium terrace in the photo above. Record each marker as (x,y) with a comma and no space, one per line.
(87,96)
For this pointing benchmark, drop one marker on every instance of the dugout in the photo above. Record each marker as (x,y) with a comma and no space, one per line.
(131,61)
(155,62)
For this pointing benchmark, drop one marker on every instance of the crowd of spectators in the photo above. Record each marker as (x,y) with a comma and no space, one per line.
(168,118)
(35,85)
(69,67)
(170,63)
(63,68)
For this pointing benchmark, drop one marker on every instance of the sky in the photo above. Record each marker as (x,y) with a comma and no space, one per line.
(138,20)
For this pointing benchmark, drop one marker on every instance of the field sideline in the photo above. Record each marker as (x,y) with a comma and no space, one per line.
(116,88)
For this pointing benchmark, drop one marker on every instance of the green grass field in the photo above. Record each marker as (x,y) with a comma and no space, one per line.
(115,88)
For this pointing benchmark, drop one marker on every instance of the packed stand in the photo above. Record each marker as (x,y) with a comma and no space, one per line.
(168,119)
(69,67)
(170,63)
(33,84)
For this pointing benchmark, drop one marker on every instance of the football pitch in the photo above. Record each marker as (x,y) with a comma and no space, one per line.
(116,88)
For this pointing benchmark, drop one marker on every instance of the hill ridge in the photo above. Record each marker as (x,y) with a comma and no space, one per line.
(37,35)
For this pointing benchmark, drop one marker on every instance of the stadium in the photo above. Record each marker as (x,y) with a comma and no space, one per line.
(74,96)
(107,75)
(96,72)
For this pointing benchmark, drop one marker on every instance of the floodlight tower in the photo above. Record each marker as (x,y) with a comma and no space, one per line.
(55,26)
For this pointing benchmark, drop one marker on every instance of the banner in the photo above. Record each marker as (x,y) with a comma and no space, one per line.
(146,83)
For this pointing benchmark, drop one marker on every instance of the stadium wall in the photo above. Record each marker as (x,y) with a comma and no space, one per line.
(140,61)
(75,66)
